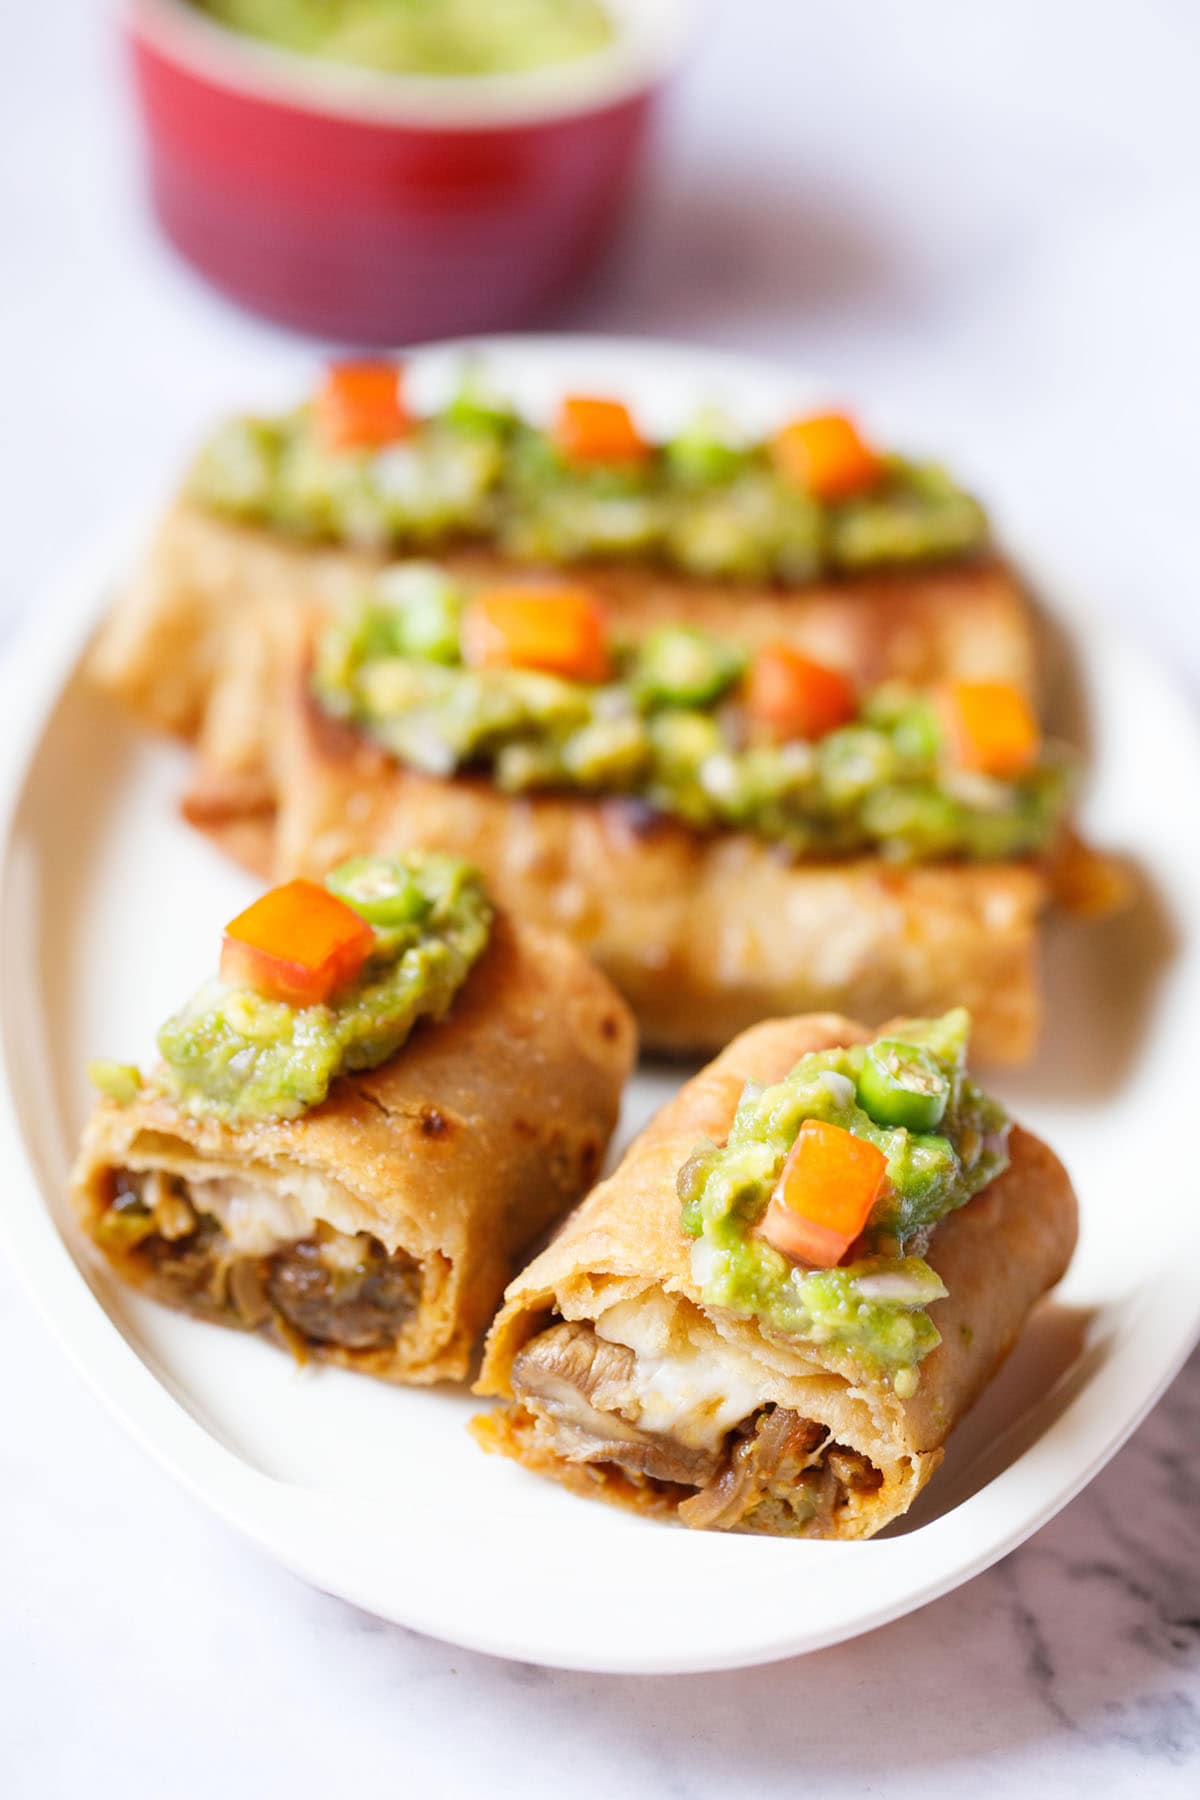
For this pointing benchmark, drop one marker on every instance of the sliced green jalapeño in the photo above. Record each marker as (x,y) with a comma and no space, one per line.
(901,1084)
(679,666)
(379,889)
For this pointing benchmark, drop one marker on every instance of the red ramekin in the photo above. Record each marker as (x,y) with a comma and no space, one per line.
(381,208)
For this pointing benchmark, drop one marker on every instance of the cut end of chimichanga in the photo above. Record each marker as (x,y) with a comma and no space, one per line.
(377,1230)
(620,1383)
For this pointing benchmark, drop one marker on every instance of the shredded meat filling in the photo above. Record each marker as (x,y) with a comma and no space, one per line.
(778,1472)
(327,1289)
(773,1452)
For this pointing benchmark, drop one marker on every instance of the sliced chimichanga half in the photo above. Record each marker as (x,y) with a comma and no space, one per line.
(876,564)
(801,1275)
(355,1134)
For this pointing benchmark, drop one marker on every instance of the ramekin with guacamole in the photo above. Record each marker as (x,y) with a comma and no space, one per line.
(391,171)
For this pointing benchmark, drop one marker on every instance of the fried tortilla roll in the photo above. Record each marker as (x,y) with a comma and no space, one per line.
(704,934)
(375,1228)
(715,1379)
(733,833)
(198,642)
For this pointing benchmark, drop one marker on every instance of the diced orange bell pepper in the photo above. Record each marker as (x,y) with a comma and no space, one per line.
(824,1195)
(989,727)
(792,696)
(592,430)
(560,630)
(298,943)
(360,406)
(826,457)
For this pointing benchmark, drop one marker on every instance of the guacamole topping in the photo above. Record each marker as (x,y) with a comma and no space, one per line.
(669,729)
(234,1054)
(873,1306)
(704,502)
(426,37)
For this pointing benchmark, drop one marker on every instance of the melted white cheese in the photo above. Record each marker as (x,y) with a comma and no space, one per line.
(695,1393)
(257,1220)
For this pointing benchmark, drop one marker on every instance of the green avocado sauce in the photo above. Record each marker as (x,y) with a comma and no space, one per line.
(233,1054)
(426,37)
(701,502)
(667,731)
(872,1308)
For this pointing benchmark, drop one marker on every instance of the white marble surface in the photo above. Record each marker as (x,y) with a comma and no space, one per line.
(984,221)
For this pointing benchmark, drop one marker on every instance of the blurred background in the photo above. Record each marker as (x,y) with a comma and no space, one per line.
(977,224)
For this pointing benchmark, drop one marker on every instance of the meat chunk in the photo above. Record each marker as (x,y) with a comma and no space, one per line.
(582,1385)
(361,1310)
(569,1363)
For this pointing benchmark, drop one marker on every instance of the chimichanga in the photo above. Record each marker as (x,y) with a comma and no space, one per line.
(694,1342)
(357,1193)
(731,833)
(703,933)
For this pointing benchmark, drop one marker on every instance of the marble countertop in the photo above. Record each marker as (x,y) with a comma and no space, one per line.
(983,220)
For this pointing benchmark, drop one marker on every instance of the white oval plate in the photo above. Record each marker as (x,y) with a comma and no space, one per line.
(109,906)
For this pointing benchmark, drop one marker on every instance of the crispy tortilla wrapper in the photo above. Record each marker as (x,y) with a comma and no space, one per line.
(704,935)
(197,641)
(838,1434)
(453,1157)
